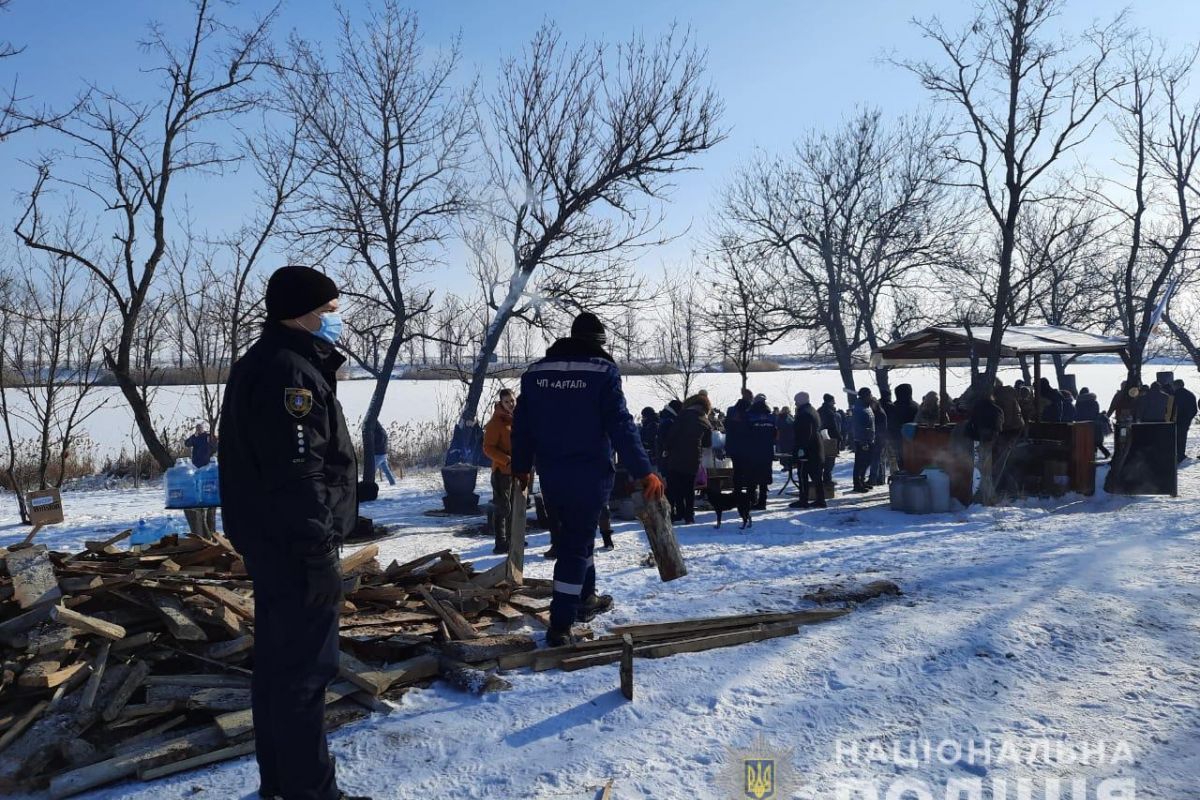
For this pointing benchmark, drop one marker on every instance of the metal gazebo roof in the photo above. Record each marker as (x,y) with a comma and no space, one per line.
(958,344)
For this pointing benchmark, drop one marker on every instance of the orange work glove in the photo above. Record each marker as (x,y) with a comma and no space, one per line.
(652,487)
(522,479)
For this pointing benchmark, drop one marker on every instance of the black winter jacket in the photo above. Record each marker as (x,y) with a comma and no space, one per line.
(808,432)
(288,468)
(686,437)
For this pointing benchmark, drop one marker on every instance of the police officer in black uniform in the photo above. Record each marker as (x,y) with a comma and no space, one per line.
(288,482)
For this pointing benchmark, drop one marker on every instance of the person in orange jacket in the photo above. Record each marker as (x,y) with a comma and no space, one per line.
(497,445)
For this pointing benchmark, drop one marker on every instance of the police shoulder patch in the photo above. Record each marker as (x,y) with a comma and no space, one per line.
(298,402)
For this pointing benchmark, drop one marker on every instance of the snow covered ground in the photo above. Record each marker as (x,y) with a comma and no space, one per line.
(1036,634)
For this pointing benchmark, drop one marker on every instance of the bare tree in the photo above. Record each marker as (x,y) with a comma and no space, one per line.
(129,156)
(57,312)
(847,217)
(1159,210)
(741,317)
(681,336)
(582,140)
(387,137)
(1025,97)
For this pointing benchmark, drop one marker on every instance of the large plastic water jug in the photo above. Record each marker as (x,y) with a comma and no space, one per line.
(208,484)
(180,482)
(939,489)
(917,495)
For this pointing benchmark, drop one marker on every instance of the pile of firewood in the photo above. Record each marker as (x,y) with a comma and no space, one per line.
(120,664)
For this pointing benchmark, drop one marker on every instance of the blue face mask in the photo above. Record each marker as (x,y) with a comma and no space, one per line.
(331,327)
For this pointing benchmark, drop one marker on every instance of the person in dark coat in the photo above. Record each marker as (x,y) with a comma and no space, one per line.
(1185,412)
(807,453)
(1068,406)
(1088,410)
(831,423)
(862,437)
(903,411)
(570,417)
(649,432)
(380,449)
(984,426)
(666,418)
(1050,400)
(759,456)
(690,434)
(785,432)
(737,436)
(879,446)
(288,491)
(202,445)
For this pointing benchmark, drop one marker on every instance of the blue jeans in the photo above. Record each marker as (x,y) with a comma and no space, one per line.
(381,464)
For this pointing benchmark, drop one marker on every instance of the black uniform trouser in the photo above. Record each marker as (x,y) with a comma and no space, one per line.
(295,658)
(862,463)
(827,471)
(578,511)
(502,502)
(682,488)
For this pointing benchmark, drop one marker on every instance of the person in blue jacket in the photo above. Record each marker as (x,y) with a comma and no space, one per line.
(202,444)
(736,438)
(571,417)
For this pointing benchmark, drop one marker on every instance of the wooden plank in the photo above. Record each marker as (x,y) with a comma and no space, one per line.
(626,669)
(99,665)
(21,724)
(606,792)
(237,603)
(378,681)
(133,681)
(23,622)
(32,572)
(506,611)
(489,648)
(515,573)
(650,630)
(51,639)
(458,626)
(49,674)
(135,642)
(233,647)
(170,608)
(213,757)
(238,723)
(359,558)
(123,766)
(81,583)
(82,622)
(101,547)
(395,570)
(206,681)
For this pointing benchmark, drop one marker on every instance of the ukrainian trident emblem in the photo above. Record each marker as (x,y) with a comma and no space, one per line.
(759,778)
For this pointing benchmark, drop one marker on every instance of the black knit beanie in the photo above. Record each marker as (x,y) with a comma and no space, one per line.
(588,327)
(295,291)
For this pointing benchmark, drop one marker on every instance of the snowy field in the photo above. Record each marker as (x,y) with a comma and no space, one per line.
(1037,634)
(176,408)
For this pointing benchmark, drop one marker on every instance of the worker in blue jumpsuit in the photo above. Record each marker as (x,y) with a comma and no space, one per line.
(570,418)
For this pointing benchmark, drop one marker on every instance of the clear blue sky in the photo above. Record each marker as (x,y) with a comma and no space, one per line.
(781,67)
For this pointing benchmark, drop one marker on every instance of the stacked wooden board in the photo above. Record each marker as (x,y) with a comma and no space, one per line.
(116,664)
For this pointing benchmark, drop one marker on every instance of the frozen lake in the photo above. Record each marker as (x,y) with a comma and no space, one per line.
(176,408)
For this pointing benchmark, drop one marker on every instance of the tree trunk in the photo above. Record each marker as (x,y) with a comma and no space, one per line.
(141,414)
(382,379)
(882,380)
(491,338)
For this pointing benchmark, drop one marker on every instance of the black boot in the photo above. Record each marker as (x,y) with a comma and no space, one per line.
(593,605)
(501,547)
(560,638)
(551,553)
(608,540)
